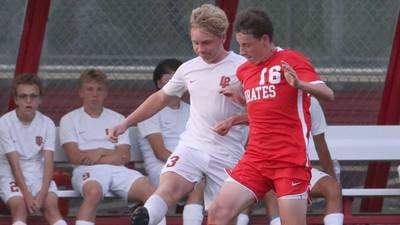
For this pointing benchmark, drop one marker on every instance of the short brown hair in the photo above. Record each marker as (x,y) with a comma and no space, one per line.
(211,18)
(255,22)
(28,79)
(93,75)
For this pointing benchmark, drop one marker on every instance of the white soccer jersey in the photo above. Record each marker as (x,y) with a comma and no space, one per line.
(207,106)
(28,140)
(170,123)
(318,122)
(89,133)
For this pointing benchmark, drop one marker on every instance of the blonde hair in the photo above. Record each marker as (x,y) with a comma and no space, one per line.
(211,18)
(93,75)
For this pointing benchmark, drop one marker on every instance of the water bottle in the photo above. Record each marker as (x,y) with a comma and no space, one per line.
(336,168)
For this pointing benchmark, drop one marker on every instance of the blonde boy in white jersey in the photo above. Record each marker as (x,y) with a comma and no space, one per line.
(201,153)
(99,163)
(27,144)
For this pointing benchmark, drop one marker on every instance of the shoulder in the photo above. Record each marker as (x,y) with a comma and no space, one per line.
(45,119)
(292,55)
(71,115)
(236,58)
(111,113)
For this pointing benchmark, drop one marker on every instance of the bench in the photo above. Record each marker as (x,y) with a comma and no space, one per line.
(363,143)
(346,143)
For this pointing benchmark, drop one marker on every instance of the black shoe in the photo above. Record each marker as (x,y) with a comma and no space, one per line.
(139,216)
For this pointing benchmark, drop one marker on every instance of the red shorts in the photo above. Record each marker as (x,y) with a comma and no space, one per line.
(285,180)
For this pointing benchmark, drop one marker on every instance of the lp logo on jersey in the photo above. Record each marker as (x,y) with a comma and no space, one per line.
(224,81)
(39,140)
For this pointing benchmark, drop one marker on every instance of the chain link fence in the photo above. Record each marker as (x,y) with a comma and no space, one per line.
(348,41)
(12,16)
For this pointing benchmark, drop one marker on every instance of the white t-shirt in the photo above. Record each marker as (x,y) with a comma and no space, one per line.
(170,123)
(88,132)
(318,122)
(207,106)
(28,140)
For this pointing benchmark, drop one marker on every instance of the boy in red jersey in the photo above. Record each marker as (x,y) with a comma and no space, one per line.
(277,84)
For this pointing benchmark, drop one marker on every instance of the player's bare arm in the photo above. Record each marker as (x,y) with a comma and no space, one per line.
(120,156)
(320,90)
(47,177)
(235,95)
(75,156)
(223,127)
(30,202)
(157,145)
(323,154)
(148,108)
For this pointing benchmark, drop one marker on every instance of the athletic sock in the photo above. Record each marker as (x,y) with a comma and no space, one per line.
(157,209)
(19,223)
(243,219)
(60,222)
(83,222)
(192,214)
(275,221)
(334,219)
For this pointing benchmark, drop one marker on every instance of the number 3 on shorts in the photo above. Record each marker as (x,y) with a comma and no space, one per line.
(172,161)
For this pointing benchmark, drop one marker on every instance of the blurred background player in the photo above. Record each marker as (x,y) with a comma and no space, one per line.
(276,85)
(27,144)
(99,163)
(201,153)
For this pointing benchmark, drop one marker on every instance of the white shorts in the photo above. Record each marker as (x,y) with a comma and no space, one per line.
(194,165)
(116,179)
(316,175)
(153,171)
(9,188)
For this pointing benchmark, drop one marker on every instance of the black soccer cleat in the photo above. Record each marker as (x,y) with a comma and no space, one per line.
(139,216)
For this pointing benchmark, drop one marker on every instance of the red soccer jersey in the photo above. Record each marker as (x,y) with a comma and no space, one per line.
(278,113)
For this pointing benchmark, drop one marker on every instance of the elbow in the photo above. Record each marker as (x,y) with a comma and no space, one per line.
(331,96)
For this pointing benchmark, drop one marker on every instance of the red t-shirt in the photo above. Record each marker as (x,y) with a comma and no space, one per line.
(278,113)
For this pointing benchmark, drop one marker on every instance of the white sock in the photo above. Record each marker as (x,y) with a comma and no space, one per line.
(275,221)
(60,222)
(83,222)
(243,219)
(334,219)
(19,223)
(157,209)
(192,214)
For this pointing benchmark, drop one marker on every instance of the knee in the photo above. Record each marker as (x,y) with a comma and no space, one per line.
(93,195)
(220,213)
(334,191)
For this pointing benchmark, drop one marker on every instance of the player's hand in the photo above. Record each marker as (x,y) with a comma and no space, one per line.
(39,198)
(114,132)
(233,94)
(223,127)
(92,156)
(30,203)
(290,75)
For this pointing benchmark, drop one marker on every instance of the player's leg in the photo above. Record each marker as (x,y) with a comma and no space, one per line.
(193,210)
(92,182)
(272,208)
(293,210)
(12,196)
(17,208)
(291,184)
(233,198)
(50,210)
(177,180)
(328,187)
